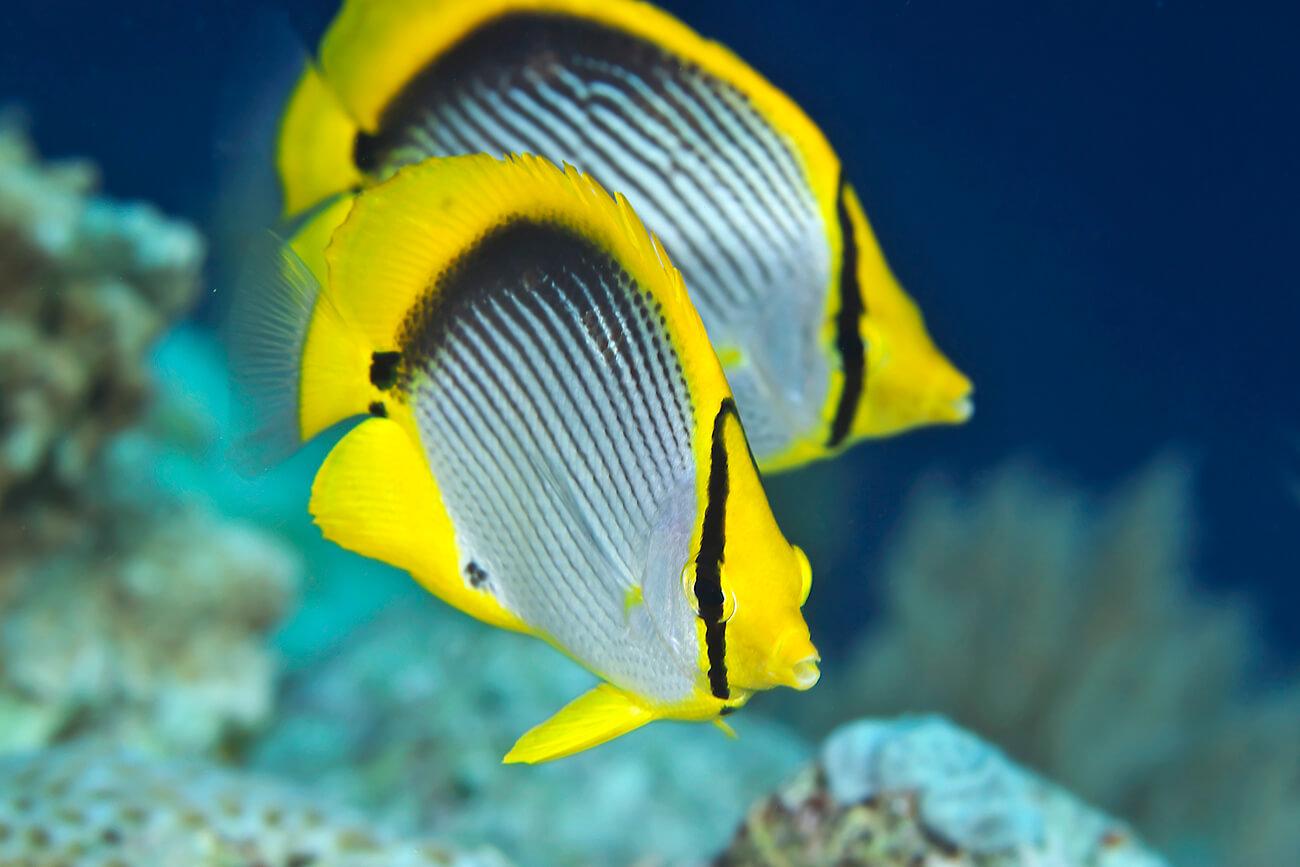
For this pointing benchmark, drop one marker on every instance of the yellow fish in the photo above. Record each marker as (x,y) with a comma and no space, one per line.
(552,446)
(821,345)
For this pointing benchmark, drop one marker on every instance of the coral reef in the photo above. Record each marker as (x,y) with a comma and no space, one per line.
(410,719)
(921,791)
(151,633)
(125,611)
(138,623)
(91,807)
(185,446)
(1068,635)
(86,285)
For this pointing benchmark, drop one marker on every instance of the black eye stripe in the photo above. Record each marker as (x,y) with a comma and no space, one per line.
(708,562)
(848,340)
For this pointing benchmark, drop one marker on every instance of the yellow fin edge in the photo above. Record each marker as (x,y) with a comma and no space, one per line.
(372,50)
(375,495)
(314,147)
(596,717)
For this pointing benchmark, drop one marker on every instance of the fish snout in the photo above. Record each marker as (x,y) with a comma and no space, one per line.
(952,395)
(794,661)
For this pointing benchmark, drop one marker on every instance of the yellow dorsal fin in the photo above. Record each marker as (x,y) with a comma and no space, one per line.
(315,145)
(374,495)
(404,233)
(593,718)
(375,47)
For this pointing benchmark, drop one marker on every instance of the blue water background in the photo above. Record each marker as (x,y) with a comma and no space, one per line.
(1096,204)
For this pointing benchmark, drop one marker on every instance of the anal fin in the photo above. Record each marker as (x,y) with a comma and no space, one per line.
(375,495)
(593,718)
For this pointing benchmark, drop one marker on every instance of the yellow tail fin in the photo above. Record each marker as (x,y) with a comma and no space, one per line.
(590,720)
(314,150)
(375,495)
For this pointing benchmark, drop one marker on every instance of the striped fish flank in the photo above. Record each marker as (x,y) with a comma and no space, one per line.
(725,192)
(738,184)
(551,445)
(555,416)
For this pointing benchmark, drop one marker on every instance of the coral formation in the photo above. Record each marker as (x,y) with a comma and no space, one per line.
(128,613)
(86,285)
(1074,642)
(151,633)
(410,719)
(92,807)
(135,612)
(921,791)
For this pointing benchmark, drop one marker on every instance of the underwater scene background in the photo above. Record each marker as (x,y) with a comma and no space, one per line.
(1092,582)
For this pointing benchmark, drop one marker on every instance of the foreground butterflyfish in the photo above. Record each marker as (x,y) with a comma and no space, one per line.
(551,445)
(821,345)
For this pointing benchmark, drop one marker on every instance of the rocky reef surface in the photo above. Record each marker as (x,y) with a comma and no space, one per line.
(1069,632)
(93,807)
(920,791)
(125,613)
(410,718)
(86,286)
(152,633)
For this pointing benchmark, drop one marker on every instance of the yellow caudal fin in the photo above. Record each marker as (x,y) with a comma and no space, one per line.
(374,495)
(590,720)
(404,233)
(314,150)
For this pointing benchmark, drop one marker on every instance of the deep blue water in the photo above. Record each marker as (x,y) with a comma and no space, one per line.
(1099,211)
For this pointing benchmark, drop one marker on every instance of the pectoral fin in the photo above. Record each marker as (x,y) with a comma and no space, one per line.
(593,718)
(376,496)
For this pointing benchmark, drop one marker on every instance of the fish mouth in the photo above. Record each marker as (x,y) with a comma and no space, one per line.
(794,661)
(807,673)
(961,409)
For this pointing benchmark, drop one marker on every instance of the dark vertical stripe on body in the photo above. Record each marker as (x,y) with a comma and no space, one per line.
(708,562)
(848,339)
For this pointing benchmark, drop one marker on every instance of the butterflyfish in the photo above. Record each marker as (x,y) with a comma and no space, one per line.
(820,343)
(550,444)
